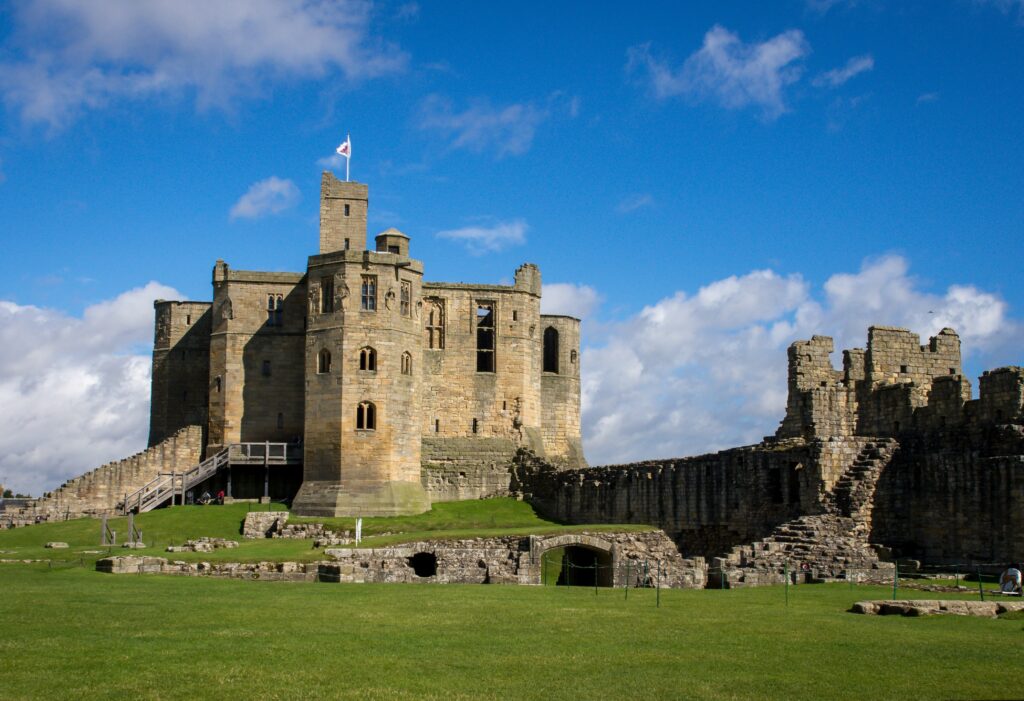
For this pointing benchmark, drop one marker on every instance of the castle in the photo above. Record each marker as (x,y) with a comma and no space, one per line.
(368,370)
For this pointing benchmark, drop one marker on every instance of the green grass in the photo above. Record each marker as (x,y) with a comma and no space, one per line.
(75,633)
(163,527)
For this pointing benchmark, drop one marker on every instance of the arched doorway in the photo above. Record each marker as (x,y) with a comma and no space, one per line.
(581,566)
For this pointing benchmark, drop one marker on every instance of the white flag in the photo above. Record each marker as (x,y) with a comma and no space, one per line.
(346,148)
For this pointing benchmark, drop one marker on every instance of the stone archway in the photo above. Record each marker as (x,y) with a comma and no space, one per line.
(575,560)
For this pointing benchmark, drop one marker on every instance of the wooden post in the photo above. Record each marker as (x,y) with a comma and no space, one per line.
(174,476)
(266,470)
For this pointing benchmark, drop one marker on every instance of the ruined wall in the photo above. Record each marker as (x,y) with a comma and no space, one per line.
(256,371)
(560,391)
(458,400)
(101,491)
(181,367)
(879,391)
(708,503)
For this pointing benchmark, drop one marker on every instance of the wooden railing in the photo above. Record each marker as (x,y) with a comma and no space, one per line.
(167,485)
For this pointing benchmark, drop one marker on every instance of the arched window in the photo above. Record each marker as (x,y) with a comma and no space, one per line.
(368,359)
(551,349)
(366,416)
(572,357)
(217,384)
(323,361)
(407,363)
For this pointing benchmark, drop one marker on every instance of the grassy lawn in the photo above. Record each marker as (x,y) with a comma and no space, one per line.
(163,527)
(75,633)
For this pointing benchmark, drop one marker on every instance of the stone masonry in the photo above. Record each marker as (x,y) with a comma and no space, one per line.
(401,391)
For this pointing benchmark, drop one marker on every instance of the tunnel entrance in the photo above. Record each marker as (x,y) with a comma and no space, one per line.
(423,564)
(578,566)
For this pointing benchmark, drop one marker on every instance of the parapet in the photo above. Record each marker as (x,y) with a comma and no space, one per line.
(1001,394)
(528,279)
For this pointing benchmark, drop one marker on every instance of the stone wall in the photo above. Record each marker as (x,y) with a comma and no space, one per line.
(466,468)
(101,491)
(181,368)
(707,504)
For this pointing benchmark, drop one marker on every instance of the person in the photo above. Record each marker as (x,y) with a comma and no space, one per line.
(205,498)
(1010,581)
(220,497)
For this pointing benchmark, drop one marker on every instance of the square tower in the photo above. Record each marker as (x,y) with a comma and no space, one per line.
(343,208)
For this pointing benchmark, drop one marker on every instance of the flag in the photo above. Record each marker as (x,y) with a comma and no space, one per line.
(346,148)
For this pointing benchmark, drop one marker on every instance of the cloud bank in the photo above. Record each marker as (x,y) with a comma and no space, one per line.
(74,56)
(479,240)
(699,372)
(74,391)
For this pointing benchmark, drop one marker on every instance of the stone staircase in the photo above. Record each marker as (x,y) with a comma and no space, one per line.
(101,491)
(829,545)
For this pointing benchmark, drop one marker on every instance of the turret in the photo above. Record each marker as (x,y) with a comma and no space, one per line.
(343,207)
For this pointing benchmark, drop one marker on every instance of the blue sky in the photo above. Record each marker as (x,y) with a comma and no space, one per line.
(716,178)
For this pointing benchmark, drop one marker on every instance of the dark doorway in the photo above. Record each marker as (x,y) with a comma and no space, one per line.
(585,567)
(424,564)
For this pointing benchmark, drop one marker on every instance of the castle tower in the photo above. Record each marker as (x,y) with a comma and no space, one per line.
(181,364)
(343,208)
(363,360)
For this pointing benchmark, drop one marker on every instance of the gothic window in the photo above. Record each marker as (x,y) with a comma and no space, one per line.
(485,337)
(275,310)
(368,359)
(407,363)
(323,361)
(551,349)
(405,299)
(326,294)
(366,416)
(369,293)
(435,324)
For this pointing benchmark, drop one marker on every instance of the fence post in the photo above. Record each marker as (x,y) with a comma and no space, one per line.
(895,579)
(981,590)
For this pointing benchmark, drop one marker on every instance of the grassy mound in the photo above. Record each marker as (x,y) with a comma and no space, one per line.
(173,526)
(74,633)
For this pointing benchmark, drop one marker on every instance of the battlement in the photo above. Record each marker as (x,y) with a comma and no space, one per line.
(895,384)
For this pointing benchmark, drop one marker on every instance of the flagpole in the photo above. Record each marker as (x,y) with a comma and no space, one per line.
(348,160)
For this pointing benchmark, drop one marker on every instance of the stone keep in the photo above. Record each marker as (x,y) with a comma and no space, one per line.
(399,389)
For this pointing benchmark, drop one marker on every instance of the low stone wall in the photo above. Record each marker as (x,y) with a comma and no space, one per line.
(631,557)
(929,607)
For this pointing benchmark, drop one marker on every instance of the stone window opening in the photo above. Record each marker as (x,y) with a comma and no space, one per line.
(275,310)
(952,371)
(217,384)
(515,315)
(184,396)
(348,211)
(572,357)
(423,564)
(895,426)
(188,320)
(394,249)
(476,425)
(405,298)
(551,349)
(435,324)
(326,294)
(407,363)
(366,417)
(775,485)
(485,337)
(280,420)
(368,359)
(369,293)
(437,425)
(346,244)
(903,368)
(266,368)
(323,361)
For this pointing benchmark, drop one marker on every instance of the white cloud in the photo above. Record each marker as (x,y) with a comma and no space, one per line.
(74,56)
(270,196)
(74,392)
(634,202)
(924,98)
(699,372)
(479,240)
(507,131)
(837,76)
(725,70)
(580,301)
